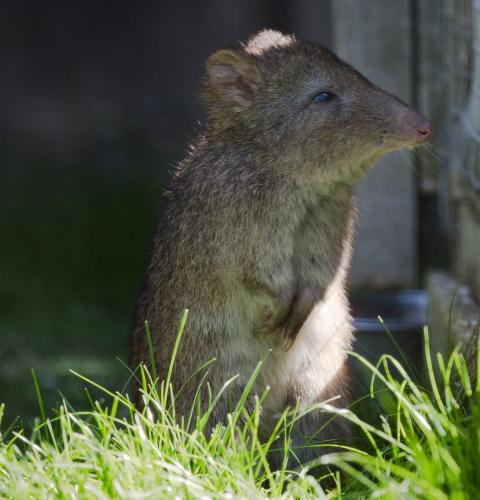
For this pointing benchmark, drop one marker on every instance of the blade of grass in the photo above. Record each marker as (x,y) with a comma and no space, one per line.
(39,395)
(151,352)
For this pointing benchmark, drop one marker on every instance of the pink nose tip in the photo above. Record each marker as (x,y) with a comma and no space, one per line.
(424,130)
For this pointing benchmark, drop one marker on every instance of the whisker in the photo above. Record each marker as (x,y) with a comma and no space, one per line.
(430,151)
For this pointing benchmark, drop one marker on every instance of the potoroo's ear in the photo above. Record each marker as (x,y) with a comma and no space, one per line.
(232,77)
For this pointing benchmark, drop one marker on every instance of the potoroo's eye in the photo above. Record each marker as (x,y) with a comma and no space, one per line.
(322,97)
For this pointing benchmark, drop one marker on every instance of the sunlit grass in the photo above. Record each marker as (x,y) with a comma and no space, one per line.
(429,447)
(119,451)
(426,446)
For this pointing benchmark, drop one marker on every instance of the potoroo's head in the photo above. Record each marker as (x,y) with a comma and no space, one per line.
(301,101)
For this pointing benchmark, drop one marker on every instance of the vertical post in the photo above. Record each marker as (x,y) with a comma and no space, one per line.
(467,241)
(430,49)
(375,37)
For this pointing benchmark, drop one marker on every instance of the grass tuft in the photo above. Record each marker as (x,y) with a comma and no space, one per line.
(430,446)
(424,445)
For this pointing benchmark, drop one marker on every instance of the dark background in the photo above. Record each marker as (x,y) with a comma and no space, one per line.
(98,100)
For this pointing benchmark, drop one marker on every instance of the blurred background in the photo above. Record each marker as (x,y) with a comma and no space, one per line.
(99,101)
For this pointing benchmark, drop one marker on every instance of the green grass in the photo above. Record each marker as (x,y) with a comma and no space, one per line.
(429,446)
(425,444)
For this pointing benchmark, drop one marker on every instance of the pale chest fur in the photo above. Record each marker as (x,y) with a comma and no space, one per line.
(319,256)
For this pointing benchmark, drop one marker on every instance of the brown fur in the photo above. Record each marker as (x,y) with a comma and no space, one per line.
(256,234)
